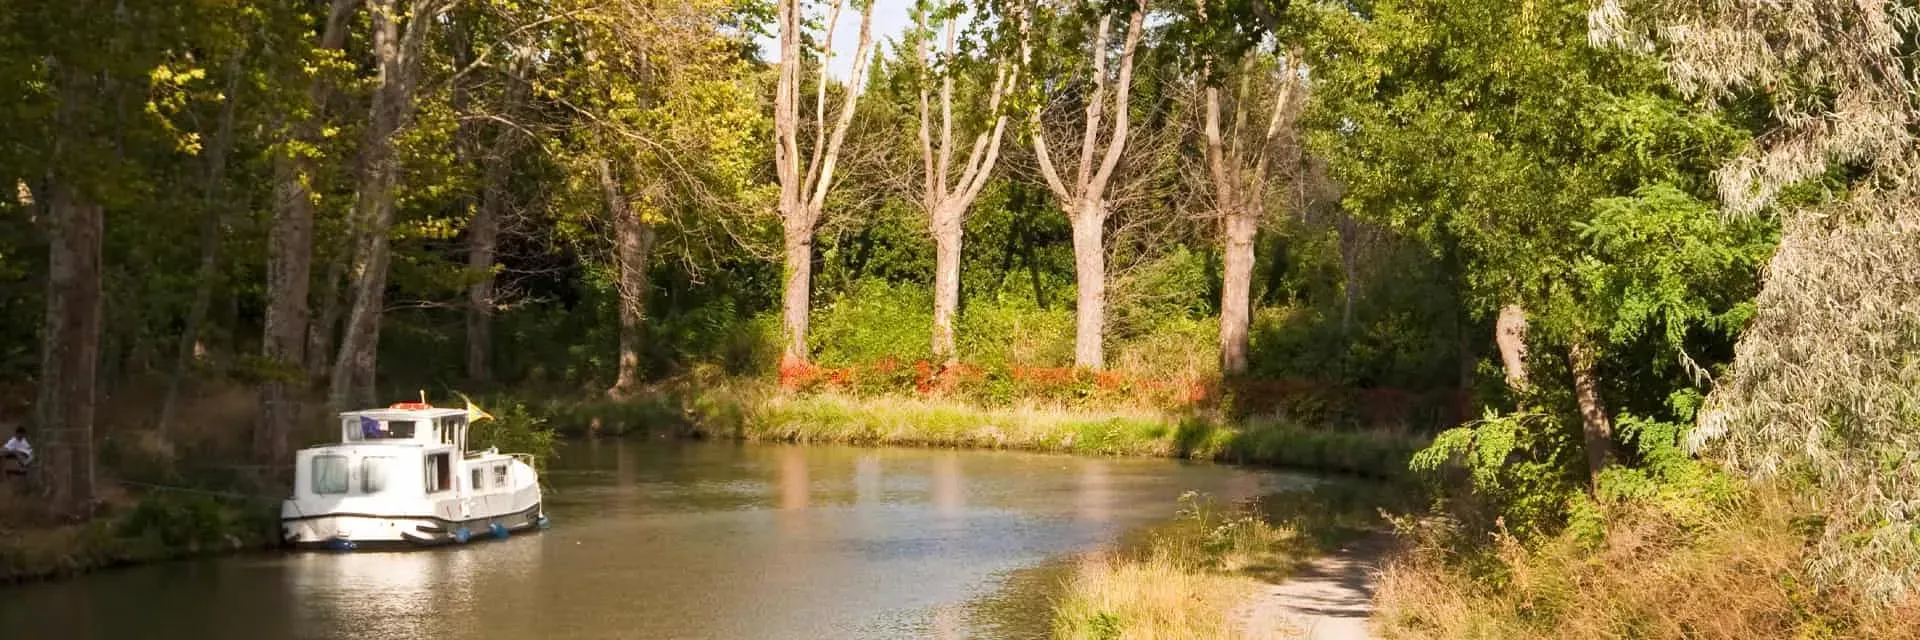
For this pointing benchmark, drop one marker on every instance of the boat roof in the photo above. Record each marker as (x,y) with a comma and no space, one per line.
(404,414)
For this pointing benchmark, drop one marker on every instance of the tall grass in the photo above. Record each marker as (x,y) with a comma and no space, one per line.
(1740,571)
(1186,582)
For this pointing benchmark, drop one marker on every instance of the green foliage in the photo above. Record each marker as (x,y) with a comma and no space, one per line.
(1521,470)
(514,429)
(871,321)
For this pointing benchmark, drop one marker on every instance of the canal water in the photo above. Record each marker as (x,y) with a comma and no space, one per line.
(663,540)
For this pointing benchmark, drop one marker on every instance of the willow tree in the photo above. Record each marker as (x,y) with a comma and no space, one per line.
(1084,199)
(1823,382)
(806,174)
(946,197)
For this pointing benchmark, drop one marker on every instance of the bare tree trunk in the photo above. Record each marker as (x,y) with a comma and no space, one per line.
(289,267)
(633,246)
(211,216)
(1596,426)
(1238,168)
(1510,335)
(1236,307)
(353,369)
(70,353)
(796,290)
(946,200)
(1084,200)
(804,181)
(1090,277)
(946,282)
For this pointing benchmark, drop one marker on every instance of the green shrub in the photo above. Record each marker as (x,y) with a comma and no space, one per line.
(874,320)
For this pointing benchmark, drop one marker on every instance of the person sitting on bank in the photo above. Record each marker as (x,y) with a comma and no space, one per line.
(18,447)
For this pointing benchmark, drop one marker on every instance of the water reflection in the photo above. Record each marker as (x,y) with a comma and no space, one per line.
(684,540)
(948,499)
(1095,496)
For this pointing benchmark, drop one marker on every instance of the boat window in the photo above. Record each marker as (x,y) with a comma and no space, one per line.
(373,473)
(329,475)
(450,428)
(439,473)
(371,429)
(476,486)
(499,476)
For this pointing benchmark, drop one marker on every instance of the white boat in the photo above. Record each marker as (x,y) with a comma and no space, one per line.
(402,476)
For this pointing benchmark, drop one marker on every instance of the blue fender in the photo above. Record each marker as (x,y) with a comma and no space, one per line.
(462,535)
(498,530)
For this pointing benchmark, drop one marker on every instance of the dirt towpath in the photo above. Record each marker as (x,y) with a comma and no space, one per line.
(1330,599)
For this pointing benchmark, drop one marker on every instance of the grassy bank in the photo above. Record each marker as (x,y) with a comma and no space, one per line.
(761,412)
(154,527)
(1638,570)
(1186,579)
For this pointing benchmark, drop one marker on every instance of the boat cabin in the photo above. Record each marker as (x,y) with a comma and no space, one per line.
(404,423)
(401,450)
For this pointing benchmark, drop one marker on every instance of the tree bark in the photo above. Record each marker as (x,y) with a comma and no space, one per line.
(289,267)
(1596,426)
(1236,281)
(633,245)
(946,200)
(70,353)
(397,52)
(1084,200)
(796,290)
(1090,278)
(946,283)
(1510,336)
(804,181)
(326,325)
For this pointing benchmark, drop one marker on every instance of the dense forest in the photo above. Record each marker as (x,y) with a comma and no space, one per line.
(1625,261)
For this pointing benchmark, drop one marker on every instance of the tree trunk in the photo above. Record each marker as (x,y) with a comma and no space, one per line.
(352,380)
(213,210)
(483,240)
(1090,276)
(1510,335)
(1236,291)
(289,270)
(633,245)
(796,293)
(398,56)
(326,325)
(1595,425)
(70,353)
(289,263)
(946,282)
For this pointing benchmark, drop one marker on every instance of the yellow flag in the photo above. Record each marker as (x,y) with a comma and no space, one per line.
(474,414)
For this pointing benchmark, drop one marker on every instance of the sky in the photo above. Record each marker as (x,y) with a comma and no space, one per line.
(890,18)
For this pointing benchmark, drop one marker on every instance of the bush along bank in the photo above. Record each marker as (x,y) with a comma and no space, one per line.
(755,411)
(159,526)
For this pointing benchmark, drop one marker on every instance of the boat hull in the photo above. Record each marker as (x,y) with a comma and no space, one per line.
(350,531)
